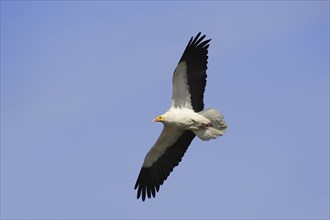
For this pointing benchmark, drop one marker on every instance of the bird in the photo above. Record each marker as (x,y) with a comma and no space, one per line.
(185,119)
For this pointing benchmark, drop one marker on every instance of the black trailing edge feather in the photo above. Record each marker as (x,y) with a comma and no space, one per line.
(151,178)
(195,56)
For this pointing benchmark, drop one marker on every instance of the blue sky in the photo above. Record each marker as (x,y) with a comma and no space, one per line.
(81,82)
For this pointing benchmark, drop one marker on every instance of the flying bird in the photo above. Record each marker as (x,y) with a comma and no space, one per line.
(185,119)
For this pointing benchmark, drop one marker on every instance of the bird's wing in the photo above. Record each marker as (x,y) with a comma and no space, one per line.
(161,159)
(189,78)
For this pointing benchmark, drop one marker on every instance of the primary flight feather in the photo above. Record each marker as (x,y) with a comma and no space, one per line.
(185,119)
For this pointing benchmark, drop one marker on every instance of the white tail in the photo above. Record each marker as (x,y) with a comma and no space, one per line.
(217,128)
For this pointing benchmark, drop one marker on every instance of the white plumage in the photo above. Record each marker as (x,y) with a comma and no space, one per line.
(185,119)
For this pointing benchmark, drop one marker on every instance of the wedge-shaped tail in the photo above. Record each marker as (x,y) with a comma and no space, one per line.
(217,128)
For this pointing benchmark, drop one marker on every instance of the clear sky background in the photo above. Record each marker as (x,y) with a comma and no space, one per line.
(81,82)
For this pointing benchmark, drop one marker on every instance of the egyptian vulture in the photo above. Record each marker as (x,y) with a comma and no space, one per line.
(185,119)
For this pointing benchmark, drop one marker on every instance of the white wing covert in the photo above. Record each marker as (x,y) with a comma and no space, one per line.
(189,78)
(161,160)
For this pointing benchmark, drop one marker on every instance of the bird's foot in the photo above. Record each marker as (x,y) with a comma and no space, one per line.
(204,125)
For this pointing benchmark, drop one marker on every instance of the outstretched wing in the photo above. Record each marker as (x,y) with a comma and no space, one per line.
(189,78)
(161,159)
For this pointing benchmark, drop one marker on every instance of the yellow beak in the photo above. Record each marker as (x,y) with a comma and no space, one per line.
(158,119)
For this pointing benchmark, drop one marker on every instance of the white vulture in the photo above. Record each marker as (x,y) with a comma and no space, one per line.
(185,119)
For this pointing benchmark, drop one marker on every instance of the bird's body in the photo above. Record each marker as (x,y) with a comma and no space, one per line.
(185,119)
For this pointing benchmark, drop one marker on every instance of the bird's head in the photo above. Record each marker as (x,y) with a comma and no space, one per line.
(159,119)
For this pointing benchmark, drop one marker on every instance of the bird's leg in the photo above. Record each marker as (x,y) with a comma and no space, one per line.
(204,125)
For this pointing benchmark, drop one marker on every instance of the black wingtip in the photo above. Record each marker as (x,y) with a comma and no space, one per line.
(199,34)
(196,41)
